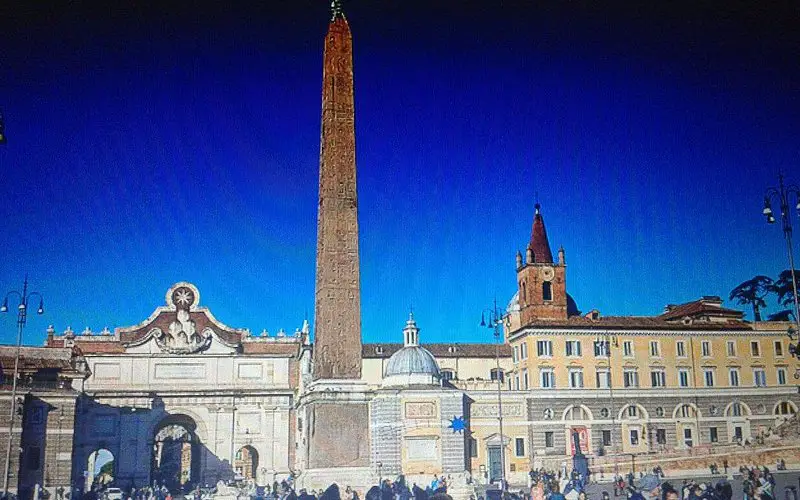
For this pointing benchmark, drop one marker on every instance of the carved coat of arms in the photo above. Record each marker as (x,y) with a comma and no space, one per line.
(182,336)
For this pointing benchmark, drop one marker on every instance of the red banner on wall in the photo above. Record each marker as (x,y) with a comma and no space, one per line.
(583,437)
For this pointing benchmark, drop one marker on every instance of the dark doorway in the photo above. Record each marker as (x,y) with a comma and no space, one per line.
(175,454)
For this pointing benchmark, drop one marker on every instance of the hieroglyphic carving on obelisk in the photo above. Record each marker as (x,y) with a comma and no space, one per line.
(337,310)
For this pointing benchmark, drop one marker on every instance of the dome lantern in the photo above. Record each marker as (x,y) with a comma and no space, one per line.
(411,332)
(413,364)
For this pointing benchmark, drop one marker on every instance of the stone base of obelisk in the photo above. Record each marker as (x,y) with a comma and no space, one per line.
(337,436)
(359,479)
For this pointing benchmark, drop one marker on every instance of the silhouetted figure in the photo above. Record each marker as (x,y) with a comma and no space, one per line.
(332,493)
(419,493)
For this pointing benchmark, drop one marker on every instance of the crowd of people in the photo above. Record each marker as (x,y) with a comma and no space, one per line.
(757,483)
(388,489)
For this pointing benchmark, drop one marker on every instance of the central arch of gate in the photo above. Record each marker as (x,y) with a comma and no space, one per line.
(175,461)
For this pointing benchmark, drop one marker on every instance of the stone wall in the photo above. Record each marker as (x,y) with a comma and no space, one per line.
(386,430)
(701,459)
(16,436)
(339,435)
(41,447)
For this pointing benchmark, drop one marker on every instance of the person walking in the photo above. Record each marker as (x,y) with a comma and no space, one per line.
(537,491)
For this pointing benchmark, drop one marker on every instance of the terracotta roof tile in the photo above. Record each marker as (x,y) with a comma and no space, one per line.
(36,358)
(165,318)
(439,350)
(280,348)
(637,322)
(698,308)
(539,244)
(100,347)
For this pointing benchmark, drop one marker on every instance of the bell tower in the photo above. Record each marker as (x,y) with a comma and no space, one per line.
(542,282)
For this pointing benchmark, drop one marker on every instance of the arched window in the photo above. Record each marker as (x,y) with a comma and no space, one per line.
(785,408)
(577,412)
(547,291)
(633,412)
(685,411)
(524,292)
(737,409)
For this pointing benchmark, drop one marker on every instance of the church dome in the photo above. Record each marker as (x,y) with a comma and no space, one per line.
(413,364)
(412,360)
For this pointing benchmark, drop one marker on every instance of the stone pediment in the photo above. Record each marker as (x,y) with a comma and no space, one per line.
(181,327)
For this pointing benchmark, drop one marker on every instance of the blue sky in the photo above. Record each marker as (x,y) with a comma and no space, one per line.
(149,145)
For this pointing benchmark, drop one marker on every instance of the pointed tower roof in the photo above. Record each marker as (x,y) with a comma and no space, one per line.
(539,243)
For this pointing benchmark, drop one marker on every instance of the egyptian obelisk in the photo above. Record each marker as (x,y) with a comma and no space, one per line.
(335,406)
(337,308)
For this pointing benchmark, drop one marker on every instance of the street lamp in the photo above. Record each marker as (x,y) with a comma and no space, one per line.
(782,195)
(22,316)
(605,341)
(496,322)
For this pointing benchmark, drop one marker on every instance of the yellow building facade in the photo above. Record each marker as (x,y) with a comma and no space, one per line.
(696,375)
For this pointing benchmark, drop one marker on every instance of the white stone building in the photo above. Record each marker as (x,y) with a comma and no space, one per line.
(183,399)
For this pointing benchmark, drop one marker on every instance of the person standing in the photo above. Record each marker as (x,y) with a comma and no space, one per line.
(537,491)
(556,492)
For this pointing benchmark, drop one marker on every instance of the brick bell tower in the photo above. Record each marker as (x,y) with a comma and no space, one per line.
(542,283)
(337,308)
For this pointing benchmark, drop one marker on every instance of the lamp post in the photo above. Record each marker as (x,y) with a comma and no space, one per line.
(605,340)
(496,321)
(782,194)
(22,316)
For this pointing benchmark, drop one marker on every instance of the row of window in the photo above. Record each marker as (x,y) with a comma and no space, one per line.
(634,438)
(632,411)
(735,409)
(602,348)
(661,436)
(520,352)
(630,378)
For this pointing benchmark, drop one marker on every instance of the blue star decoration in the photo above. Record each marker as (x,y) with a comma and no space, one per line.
(457,424)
